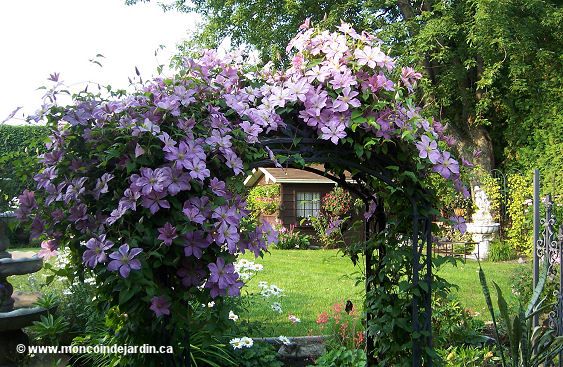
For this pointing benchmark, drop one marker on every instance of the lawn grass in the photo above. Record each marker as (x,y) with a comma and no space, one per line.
(313,280)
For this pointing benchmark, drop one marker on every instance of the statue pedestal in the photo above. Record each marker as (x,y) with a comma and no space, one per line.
(482,233)
(481,250)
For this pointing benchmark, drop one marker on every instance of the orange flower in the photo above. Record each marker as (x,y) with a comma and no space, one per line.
(322,318)
(359,339)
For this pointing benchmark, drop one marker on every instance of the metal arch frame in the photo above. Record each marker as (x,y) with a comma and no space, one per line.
(312,150)
(548,243)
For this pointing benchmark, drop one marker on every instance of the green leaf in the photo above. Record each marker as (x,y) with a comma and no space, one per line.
(489,303)
(538,290)
(126,294)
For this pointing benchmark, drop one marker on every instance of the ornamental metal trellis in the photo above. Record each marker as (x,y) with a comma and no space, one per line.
(548,243)
(294,142)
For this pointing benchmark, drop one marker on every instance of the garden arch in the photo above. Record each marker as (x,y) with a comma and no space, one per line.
(312,150)
(153,172)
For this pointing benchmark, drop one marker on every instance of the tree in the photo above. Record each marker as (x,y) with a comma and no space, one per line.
(491,65)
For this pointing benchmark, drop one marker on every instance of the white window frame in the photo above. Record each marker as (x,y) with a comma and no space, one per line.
(307,204)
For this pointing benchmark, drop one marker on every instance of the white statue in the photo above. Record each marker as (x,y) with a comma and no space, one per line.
(483,213)
(482,227)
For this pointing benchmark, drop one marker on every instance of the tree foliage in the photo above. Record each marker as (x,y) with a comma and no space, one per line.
(492,67)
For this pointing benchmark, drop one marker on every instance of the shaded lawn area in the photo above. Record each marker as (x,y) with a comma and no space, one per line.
(313,280)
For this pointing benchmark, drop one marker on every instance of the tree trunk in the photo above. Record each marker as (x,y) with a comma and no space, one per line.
(478,140)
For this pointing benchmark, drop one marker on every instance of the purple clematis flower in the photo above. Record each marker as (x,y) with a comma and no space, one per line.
(225,215)
(333,131)
(195,243)
(167,234)
(179,181)
(218,187)
(347,99)
(115,215)
(447,166)
(124,260)
(234,162)
(196,209)
(251,131)
(46,177)
(152,180)
(342,80)
(48,249)
(181,156)
(222,274)
(227,234)
(78,213)
(139,151)
(198,169)
(191,275)
(459,224)
(37,228)
(186,125)
(467,163)
(169,143)
(160,306)
(96,253)
(102,185)
(75,189)
(27,204)
(428,148)
(129,200)
(154,201)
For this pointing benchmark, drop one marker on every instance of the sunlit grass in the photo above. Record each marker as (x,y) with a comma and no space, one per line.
(314,280)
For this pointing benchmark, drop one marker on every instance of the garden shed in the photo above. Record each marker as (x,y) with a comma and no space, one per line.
(300,193)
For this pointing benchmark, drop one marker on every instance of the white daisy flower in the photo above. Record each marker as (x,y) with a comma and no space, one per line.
(236,343)
(247,342)
(284,340)
(257,267)
(233,316)
(294,319)
(276,307)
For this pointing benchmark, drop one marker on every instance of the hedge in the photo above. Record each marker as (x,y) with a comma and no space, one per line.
(17,138)
(19,146)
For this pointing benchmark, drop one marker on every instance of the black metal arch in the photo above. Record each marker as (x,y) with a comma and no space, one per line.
(295,142)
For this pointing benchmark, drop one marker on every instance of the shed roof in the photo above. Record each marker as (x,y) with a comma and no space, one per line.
(288,175)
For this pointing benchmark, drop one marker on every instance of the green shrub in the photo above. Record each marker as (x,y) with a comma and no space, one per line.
(501,251)
(259,355)
(521,281)
(49,329)
(342,357)
(290,239)
(465,356)
(520,213)
(264,199)
(454,325)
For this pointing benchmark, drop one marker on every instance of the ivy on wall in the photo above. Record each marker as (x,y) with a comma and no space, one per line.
(264,199)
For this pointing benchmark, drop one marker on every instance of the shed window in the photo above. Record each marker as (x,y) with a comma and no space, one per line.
(308,204)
